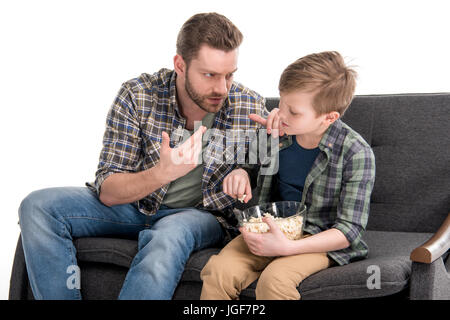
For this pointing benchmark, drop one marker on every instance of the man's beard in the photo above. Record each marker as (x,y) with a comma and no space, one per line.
(201,100)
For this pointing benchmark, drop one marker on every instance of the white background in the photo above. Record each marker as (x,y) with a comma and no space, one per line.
(62,63)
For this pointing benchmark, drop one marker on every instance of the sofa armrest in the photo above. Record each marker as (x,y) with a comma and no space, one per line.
(435,247)
(430,281)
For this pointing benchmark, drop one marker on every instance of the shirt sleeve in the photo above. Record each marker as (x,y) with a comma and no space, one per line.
(121,151)
(357,185)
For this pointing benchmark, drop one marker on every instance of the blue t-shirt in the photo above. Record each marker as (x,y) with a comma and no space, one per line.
(295,164)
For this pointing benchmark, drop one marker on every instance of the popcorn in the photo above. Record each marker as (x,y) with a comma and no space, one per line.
(291,226)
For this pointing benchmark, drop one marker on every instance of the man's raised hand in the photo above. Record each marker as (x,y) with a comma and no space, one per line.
(177,162)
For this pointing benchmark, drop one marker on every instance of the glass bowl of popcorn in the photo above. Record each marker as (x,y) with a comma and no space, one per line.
(288,215)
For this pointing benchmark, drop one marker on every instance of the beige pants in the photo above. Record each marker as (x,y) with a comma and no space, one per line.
(235,268)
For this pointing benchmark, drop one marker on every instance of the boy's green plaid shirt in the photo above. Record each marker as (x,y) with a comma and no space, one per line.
(337,189)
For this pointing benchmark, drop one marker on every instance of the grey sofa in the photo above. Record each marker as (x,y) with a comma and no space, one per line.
(408,232)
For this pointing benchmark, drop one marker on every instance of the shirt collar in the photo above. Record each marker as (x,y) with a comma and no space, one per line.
(327,142)
(330,136)
(173,93)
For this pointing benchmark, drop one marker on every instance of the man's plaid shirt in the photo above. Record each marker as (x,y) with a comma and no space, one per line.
(337,189)
(144,108)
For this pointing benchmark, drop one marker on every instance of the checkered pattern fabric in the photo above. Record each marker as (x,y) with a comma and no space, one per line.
(337,189)
(144,108)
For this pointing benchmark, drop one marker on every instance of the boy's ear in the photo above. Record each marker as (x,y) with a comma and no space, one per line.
(179,65)
(332,117)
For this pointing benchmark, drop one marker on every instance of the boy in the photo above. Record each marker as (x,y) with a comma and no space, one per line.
(324,164)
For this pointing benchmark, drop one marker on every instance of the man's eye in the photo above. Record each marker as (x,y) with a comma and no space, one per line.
(230,76)
(209,75)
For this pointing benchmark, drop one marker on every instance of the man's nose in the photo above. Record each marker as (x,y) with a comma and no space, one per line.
(221,86)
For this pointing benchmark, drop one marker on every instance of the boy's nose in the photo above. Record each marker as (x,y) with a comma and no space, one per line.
(281,114)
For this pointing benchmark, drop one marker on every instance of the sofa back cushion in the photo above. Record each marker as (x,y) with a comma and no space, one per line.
(410,137)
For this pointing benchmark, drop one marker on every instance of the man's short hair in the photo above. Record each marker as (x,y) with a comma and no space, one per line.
(212,29)
(324,73)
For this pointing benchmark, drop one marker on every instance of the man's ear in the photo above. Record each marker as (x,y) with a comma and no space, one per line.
(332,117)
(179,65)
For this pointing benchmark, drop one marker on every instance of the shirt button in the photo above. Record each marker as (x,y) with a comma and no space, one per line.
(330,145)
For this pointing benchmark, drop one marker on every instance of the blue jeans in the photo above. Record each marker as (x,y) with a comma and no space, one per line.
(51,218)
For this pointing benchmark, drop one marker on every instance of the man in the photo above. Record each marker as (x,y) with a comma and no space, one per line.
(148,185)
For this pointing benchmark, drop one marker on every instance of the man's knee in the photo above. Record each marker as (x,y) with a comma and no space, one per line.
(46,205)
(32,206)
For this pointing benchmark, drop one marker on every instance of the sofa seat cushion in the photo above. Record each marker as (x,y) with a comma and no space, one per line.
(106,250)
(388,252)
(121,252)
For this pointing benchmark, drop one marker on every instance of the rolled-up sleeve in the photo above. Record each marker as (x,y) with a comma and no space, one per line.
(121,151)
(354,204)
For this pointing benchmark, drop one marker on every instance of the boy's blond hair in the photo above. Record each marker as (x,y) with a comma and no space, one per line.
(324,73)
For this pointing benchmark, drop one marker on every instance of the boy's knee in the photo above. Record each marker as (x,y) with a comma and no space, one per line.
(219,281)
(266,281)
(219,272)
(215,267)
(272,285)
